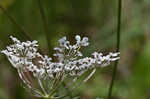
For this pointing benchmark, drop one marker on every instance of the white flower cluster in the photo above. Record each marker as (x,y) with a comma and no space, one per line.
(25,55)
(69,60)
(22,55)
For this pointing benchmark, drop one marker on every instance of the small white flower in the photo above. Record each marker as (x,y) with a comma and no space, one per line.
(84,41)
(78,39)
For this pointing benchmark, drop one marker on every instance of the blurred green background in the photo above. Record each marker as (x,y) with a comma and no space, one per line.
(96,19)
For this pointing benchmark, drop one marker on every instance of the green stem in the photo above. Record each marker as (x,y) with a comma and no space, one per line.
(118,48)
(42,87)
(56,85)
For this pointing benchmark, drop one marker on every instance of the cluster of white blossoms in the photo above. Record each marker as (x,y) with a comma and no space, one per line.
(69,61)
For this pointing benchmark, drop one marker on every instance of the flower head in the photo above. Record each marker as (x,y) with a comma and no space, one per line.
(24,56)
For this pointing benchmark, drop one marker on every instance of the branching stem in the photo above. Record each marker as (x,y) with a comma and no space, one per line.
(42,87)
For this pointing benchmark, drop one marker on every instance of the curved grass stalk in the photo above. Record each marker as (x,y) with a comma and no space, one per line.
(117,50)
(15,23)
(45,24)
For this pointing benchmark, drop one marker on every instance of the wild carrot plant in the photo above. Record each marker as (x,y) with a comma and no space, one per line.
(43,75)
